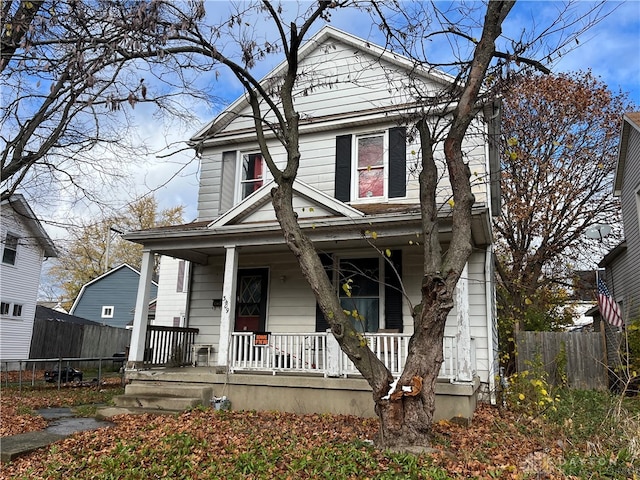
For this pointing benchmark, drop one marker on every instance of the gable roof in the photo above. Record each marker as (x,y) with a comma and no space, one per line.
(45,313)
(325,34)
(106,274)
(630,122)
(18,203)
(326,205)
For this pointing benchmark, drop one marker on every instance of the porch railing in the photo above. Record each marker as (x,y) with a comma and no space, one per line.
(169,345)
(318,353)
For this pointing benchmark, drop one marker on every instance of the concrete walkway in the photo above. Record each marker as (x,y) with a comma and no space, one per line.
(16,445)
(63,425)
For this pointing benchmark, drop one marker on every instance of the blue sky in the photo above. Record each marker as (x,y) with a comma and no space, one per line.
(611,50)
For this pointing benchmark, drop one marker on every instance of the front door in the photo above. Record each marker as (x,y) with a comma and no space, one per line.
(251,301)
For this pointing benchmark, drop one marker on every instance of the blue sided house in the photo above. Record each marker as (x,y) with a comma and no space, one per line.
(110,299)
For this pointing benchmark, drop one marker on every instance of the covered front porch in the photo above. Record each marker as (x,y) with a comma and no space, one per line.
(295,353)
(292,372)
(254,320)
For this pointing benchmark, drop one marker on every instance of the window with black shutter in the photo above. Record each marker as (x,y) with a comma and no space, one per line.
(363,162)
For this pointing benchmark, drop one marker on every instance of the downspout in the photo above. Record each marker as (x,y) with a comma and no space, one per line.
(187,306)
(490,302)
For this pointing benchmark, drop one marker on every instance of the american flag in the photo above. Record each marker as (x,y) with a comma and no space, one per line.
(609,308)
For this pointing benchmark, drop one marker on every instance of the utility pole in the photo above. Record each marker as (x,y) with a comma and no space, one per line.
(111,230)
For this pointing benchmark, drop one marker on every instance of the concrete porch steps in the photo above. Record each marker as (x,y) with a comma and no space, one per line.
(159,397)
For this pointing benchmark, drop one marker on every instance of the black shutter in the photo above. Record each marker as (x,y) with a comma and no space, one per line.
(393,292)
(397,162)
(327,262)
(343,168)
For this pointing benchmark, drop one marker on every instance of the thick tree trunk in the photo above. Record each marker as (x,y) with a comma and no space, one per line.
(406,416)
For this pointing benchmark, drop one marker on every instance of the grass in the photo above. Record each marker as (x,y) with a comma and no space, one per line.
(582,437)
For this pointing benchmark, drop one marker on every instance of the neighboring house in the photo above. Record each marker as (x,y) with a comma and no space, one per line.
(51,314)
(57,306)
(173,285)
(110,299)
(357,174)
(623,262)
(24,246)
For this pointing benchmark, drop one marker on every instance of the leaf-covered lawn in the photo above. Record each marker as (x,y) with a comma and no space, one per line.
(206,444)
(17,408)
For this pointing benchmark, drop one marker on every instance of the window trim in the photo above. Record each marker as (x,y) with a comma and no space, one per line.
(106,313)
(5,247)
(239,182)
(355,177)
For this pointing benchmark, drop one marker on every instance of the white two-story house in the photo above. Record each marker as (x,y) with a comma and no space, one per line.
(249,307)
(24,246)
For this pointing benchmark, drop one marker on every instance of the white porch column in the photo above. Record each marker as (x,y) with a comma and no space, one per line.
(334,354)
(141,314)
(228,303)
(463,334)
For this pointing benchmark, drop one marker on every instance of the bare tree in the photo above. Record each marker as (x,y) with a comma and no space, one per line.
(441,119)
(72,72)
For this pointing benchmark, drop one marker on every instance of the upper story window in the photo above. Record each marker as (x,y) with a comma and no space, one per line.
(4,308)
(370,166)
(17,310)
(107,311)
(251,174)
(10,249)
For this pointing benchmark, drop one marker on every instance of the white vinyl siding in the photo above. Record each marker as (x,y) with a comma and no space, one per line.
(367,89)
(18,286)
(209,191)
(292,306)
(170,302)
(627,285)
(206,285)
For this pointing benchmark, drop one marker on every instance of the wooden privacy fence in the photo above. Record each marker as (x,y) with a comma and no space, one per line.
(53,339)
(577,358)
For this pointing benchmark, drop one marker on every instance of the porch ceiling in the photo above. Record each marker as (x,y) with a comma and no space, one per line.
(196,242)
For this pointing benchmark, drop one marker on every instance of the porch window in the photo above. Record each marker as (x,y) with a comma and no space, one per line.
(370,167)
(251,174)
(10,250)
(362,276)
